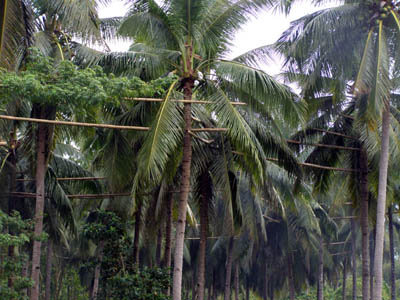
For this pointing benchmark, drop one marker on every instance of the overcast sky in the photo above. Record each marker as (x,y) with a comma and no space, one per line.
(263,30)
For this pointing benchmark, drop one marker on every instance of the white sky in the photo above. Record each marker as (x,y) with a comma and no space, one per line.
(260,31)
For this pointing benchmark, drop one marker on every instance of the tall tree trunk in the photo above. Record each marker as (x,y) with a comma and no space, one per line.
(354,258)
(248,290)
(228,270)
(266,281)
(168,236)
(237,281)
(41,159)
(49,260)
(364,223)
(320,293)
(206,193)
(371,258)
(392,261)
(12,188)
(158,248)
(292,291)
(97,270)
(136,239)
(344,279)
(381,205)
(188,85)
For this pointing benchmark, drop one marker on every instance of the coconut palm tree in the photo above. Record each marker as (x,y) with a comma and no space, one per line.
(191,39)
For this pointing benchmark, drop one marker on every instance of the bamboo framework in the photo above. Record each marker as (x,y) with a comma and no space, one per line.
(323,145)
(320,166)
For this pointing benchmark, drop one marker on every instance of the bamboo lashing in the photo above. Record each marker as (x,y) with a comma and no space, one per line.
(178,100)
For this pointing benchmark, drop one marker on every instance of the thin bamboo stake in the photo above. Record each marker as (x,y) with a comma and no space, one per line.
(68,123)
(335,133)
(179,100)
(323,145)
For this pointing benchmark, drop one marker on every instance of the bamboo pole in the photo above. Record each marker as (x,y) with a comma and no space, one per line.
(320,166)
(3,144)
(97,196)
(335,243)
(179,100)
(335,133)
(66,179)
(324,145)
(344,217)
(69,123)
(111,126)
(340,253)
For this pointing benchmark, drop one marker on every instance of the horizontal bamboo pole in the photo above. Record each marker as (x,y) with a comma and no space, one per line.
(323,145)
(320,166)
(69,123)
(66,179)
(344,217)
(335,243)
(335,133)
(340,253)
(3,143)
(97,196)
(209,129)
(97,125)
(179,100)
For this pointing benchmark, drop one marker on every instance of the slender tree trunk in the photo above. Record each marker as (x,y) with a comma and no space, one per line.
(136,239)
(193,285)
(266,282)
(364,223)
(320,293)
(210,291)
(344,279)
(237,281)
(392,260)
(158,249)
(39,207)
(381,205)
(228,270)
(49,260)
(354,258)
(24,274)
(184,192)
(168,236)
(205,190)
(214,294)
(292,291)
(371,257)
(248,290)
(11,199)
(97,270)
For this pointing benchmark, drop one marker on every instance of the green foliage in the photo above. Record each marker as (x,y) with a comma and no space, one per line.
(14,234)
(140,284)
(70,88)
